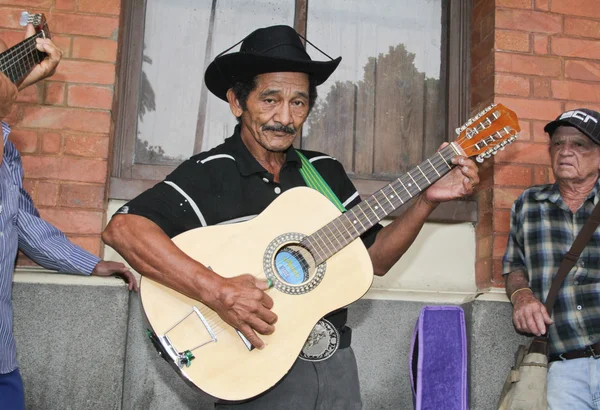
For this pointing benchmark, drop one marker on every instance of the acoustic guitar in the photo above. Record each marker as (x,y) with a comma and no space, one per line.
(301,234)
(18,61)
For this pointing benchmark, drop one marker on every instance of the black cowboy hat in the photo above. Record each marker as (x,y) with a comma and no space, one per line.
(266,50)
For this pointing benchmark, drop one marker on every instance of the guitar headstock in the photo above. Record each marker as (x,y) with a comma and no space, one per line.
(38,21)
(488,132)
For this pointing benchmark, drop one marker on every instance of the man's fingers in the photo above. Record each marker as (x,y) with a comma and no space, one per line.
(252,336)
(546,316)
(531,325)
(539,321)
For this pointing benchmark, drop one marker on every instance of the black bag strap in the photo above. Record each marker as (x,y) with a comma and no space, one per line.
(539,343)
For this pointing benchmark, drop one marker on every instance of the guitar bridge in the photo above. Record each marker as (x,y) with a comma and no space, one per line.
(167,350)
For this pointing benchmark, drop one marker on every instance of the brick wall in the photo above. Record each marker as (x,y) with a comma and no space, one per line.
(62,126)
(539,58)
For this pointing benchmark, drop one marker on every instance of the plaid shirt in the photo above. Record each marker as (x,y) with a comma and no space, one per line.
(542,230)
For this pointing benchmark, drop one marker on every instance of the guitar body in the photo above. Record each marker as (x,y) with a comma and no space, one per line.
(226,368)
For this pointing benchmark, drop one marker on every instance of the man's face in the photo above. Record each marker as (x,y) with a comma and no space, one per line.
(275,111)
(574,156)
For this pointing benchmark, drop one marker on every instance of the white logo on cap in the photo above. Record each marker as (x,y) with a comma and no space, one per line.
(580,115)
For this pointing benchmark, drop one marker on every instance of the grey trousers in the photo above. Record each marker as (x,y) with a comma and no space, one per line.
(328,385)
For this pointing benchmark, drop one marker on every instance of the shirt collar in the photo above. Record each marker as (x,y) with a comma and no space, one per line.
(5,131)
(552,193)
(246,163)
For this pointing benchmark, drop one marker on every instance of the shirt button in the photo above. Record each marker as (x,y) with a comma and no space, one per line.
(266,180)
(578,307)
(277,190)
(1,234)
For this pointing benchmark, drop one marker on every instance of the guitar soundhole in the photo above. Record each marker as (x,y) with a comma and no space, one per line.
(290,266)
(293,264)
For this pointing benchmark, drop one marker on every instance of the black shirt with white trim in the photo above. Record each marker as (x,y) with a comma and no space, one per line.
(226,184)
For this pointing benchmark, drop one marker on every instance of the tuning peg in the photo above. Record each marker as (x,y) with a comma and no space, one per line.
(479,159)
(24,19)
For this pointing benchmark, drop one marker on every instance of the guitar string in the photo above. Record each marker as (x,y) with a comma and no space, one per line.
(214,320)
(16,54)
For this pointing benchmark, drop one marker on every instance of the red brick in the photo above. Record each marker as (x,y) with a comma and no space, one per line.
(498,280)
(63,118)
(90,96)
(85,72)
(501,221)
(571,47)
(586,8)
(582,70)
(571,90)
(526,153)
(86,25)
(101,7)
(542,88)
(539,135)
(47,194)
(25,141)
(9,18)
(483,273)
(542,5)
(66,4)
(518,4)
(64,42)
(29,186)
(488,25)
(51,142)
(512,175)
(512,40)
(542,175)
(525,134)
(483,93)
(74,221)
(512,85)
(574,105)
(527,64)
(582,27)
(30,94)
(65,168)
(86,146)
(482,9)
(533,21)
(81,196)
(55,93)
(98,49)
(483,49)
(92,244)
(505,197)
(533,109)
(484,224)
(11,37)
(484,247)
(541,44)
(500,242)
(482,70)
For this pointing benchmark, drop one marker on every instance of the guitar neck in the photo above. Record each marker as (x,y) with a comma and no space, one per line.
(18,61)
(334,236)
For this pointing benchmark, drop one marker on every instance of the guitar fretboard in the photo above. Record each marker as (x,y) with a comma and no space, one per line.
(334,236)
(19,60)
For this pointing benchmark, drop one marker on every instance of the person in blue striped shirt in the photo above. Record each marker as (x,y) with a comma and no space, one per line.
(21,227)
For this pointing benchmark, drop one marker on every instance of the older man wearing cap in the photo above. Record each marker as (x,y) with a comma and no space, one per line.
(270,86)
(544,223)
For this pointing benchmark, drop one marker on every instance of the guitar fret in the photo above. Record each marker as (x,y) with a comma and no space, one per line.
(411,177)
(403,186)
(379,204)
(436,171)
(444,160)
(372,210)
(388,199)
(397,196)
(428,181)
(346,239)
(17,61)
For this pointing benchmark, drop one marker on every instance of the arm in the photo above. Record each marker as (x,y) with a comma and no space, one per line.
(395,239)
(529,314)
(240,301)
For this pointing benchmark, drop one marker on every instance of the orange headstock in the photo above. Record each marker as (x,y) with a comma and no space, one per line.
(488,132)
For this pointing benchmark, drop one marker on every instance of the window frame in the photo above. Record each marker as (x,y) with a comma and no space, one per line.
(128,179)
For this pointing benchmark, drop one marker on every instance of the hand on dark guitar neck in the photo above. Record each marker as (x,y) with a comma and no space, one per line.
(47,67)
(242,302)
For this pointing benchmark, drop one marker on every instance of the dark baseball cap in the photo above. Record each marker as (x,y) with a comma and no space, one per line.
(585,120)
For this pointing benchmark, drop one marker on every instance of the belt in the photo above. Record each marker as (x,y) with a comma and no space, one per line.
(588,351)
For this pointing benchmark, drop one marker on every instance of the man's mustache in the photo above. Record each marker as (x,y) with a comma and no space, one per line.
(280,128)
